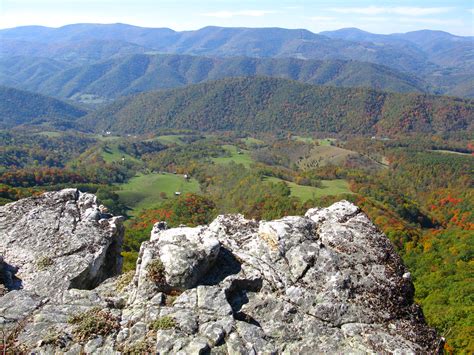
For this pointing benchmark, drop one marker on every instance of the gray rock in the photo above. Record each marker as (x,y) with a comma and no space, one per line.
(186,254)
(329,282)
(53,245)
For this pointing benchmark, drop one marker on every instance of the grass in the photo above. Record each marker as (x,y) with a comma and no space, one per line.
(107,138)
(323,155)
(170,139)
(50,134)
(322,142)
(144,191)
(112,153)
(244,158)
(325,142)
(304,193)
(252,142)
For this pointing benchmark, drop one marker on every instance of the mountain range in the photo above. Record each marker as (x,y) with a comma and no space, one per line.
(136,73)
(439,60)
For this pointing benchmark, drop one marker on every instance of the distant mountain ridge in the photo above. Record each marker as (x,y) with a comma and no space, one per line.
(141,72)
(268,104)
(218,41)
(444,60)
(443,48)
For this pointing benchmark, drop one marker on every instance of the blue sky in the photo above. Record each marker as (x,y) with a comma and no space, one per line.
(455,16)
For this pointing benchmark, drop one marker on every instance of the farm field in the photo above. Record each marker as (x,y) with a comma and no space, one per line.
(244,158)
(111,153)
(170,139)
(144,191)
(252,142)
(323,155)
(329,188)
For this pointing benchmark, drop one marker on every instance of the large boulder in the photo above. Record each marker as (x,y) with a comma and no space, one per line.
(174,259)
(58,241)
(328,282)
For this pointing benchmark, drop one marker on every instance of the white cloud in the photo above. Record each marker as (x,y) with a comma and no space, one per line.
(399,10)
(247,13)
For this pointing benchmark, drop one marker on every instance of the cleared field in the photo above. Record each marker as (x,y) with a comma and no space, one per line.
(170,139)
(325,154)
(243,158)
(143,191)
(252,142)
(50,134)
(325,142)
(309,140)
(105,138)
(304,193)
(111,153)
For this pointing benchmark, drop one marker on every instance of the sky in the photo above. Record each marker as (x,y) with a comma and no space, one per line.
(455,16)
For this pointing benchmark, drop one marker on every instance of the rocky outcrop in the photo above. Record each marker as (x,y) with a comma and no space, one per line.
(328,282)
(49,245)
(58,241)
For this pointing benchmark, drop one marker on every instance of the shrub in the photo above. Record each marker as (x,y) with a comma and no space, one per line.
(139,347)
(165,322)
(92,323)
(53,337)
(156,271)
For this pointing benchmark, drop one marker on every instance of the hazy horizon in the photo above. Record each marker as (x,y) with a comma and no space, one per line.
(200,28)
(381,17)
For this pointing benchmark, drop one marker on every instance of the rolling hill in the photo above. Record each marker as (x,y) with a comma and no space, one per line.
(140,72)
(18,107)
(268,104)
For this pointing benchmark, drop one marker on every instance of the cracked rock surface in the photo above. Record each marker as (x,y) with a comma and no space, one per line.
(328,282)
(58,241)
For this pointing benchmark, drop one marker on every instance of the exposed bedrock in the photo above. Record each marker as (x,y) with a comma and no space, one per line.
(328,282)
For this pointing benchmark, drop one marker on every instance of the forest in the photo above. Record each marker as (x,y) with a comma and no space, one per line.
(274,105)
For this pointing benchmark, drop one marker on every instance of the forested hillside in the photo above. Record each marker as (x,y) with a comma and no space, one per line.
(264,104)
(19,107)
(141,72)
